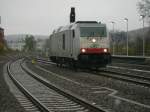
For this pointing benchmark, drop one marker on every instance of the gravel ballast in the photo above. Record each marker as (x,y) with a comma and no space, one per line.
(8,102)
(112,94)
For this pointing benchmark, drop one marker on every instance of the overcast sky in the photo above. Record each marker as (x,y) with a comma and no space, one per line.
(42,16)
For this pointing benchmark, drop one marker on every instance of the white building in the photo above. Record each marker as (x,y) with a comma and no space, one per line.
(40,44)
(16,44)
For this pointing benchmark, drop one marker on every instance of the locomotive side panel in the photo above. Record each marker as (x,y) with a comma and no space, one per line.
(64,39)
(61,45)
(76,43)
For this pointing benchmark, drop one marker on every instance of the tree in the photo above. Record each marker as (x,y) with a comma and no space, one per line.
(1,47)
(30,43)
(118,42)
(144,9)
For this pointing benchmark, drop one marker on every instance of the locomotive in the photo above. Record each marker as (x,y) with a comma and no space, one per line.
(82,43)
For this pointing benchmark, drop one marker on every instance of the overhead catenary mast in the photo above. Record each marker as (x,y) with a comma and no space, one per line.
(0,20)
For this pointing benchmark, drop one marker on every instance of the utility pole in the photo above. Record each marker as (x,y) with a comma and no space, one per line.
(143,17)
(113,24)
(126,20)
(0,20)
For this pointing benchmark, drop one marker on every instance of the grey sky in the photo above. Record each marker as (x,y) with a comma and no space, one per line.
(42,16)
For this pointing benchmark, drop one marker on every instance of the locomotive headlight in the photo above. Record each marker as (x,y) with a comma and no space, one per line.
(83,50)
(93,40)
(105,50)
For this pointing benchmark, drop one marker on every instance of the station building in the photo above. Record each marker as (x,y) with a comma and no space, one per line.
(1,38)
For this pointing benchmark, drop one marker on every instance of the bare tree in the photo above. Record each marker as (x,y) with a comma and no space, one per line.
(144,9)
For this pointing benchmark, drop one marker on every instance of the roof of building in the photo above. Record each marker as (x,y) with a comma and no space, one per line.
(1,28)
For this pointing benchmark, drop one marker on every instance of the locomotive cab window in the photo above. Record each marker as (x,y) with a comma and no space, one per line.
(73,33)
(93,31)
(63,44)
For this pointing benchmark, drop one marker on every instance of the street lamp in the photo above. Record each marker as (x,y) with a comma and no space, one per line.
(113,24)
(126,20)
(143,17)
(0,20)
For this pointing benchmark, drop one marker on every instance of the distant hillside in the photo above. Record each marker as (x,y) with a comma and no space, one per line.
(22,36)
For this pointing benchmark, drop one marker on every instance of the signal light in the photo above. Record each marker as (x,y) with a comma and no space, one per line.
(72,15)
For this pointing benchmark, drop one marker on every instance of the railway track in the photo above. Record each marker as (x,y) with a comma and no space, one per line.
(132,65)
(132,96)
(128,77)
(45,96)
(144,81)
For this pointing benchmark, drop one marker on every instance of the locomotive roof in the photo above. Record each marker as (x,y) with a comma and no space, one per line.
(63,28)
(86,22)
(73,25)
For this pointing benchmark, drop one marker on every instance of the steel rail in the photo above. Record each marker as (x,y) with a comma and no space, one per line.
(34,100)
(114,75)
(128,75)
(123,77)
(65,93)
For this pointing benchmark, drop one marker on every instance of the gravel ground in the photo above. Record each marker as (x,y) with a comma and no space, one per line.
(131,61)
(132,66)
(130,72)
(99,89)
(8,102)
